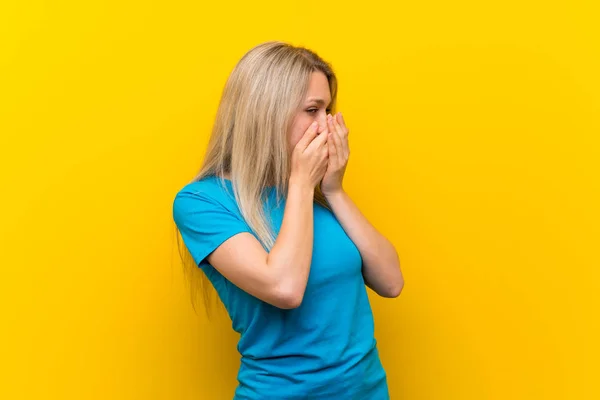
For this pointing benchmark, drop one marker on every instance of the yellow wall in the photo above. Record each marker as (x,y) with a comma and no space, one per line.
(474,137)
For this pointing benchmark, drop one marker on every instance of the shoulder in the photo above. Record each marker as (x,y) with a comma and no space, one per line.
(209,192)
(209,186)
(206,216)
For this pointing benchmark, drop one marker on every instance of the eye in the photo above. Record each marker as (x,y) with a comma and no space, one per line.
(313,110)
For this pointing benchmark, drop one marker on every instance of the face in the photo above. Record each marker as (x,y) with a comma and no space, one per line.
(315,107)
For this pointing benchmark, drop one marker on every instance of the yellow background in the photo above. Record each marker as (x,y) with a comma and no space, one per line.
(474,136)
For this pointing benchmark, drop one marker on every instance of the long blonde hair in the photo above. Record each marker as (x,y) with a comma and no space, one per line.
(249,140)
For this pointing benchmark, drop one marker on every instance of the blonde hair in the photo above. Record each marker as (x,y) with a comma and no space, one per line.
(249,139)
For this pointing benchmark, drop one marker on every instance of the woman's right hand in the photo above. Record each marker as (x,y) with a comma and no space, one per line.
(310,157)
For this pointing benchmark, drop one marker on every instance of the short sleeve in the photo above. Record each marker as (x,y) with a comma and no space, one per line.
(204,223)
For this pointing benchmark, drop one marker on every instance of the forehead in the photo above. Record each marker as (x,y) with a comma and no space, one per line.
(318,88)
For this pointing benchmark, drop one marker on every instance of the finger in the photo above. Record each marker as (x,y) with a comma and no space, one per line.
(339,153)
(341,131)
(340,119)
(332,138)
(345,151)
(330,123)
(346,147)
(319,141)
(332,147)
(308,136)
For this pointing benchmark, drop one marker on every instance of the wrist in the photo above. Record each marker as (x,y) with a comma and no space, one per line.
(300,186)
(332,195)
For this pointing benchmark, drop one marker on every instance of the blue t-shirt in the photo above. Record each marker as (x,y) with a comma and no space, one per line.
(325,348)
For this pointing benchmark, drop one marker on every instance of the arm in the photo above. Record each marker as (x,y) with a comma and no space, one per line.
(381,264)
(280,276)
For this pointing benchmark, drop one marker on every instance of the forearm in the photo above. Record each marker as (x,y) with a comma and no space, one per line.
(381,264)
(291,255)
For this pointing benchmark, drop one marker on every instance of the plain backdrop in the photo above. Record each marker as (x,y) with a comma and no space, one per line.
(474,137)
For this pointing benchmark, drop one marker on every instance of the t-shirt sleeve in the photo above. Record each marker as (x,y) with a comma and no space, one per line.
(204,223)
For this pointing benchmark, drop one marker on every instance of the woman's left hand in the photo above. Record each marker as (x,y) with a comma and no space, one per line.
(339,153)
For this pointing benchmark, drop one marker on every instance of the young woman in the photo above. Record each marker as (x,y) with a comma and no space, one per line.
(268,222)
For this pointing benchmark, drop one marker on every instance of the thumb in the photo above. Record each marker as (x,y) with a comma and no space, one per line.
(308,136)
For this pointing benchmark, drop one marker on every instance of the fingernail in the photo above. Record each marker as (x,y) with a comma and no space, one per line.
(314,124)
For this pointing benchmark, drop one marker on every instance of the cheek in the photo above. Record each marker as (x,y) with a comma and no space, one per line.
(295,136)
(299,128)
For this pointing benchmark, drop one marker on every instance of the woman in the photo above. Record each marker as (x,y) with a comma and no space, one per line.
(268,222)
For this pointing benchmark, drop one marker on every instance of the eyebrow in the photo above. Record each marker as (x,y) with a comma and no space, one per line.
(316,100)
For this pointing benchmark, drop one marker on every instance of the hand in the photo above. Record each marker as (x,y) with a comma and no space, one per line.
(339,152)
(309,158)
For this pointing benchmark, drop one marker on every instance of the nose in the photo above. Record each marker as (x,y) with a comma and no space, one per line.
(322,120)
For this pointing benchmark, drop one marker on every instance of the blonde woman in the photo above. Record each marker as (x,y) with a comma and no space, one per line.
(268,222)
